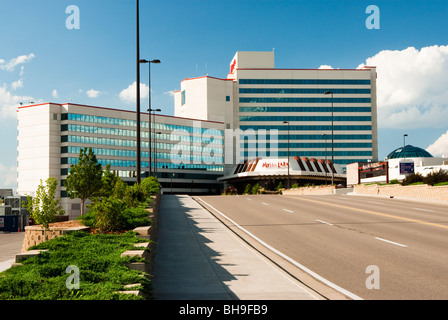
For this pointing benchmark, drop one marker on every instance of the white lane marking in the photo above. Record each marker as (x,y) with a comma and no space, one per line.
(288,210)
(374,202)
(313,274)
(248,199)
(264,203)
(321,221)
(388,241)
(427,210)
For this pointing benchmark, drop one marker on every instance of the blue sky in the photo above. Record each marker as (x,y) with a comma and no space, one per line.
(41,60)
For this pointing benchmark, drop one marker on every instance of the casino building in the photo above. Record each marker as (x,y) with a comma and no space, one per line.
(285,113)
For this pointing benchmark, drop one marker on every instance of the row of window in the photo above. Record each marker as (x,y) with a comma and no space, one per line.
(303,153)
(305,109)
(144,154)
(311,136)
(310,145)
(284,127)
(305,81)
(302,91)
(144,124)
(305,118)
(304,100)
(174,136)
(132,143)
(145,164)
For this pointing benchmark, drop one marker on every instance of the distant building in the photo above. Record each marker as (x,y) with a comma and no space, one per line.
(187,154)
(269,172)
(257,96)
(396,165)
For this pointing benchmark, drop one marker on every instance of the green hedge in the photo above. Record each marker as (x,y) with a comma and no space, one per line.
(101,269)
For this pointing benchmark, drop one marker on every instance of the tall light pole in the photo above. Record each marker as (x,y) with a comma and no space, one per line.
(325,137)
(138,96)
(332,137)
(287,122)
(404,145)
(149,108)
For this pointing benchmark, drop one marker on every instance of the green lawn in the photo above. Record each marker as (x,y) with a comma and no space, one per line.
(102,271)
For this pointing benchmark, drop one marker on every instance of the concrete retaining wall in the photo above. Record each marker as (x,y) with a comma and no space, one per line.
(309,191)
(423,191)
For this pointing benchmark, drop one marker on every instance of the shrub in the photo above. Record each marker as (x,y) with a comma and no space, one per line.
(107,214)
(255,189)
(412,178)
(248,189)
(134,217)
(279,186)
(436,177)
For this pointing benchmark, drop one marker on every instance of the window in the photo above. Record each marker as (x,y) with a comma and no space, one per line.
(182,97)
(227,98)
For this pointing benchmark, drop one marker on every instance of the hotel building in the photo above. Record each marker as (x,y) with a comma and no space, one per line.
(257,96)
(187,154)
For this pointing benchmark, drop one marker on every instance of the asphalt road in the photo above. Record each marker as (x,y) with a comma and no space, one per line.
(375,248)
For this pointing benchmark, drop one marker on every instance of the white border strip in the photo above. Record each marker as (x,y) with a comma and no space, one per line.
(313,274)
(388,241)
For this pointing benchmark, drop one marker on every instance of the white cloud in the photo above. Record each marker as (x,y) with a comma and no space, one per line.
(325,66)
(170,93)
(9,176)
(129,94)
(17,84)
(93,93)
(440,146)
(55,93)
(9,103)
(412,87)
(10,66)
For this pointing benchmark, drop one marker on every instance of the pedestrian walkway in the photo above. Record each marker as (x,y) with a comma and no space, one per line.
(198,258)
(10,245)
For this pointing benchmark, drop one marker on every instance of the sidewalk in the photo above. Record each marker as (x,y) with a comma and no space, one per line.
(198,258)
(10,245)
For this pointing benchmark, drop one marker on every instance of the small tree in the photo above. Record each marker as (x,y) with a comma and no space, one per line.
(45,206)
(255,189)
(85,178)
(248,189)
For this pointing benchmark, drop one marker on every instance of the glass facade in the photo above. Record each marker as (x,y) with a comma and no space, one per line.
(265,104)
(173,146)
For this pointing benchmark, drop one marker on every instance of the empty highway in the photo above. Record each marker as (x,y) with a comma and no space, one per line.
(374,248)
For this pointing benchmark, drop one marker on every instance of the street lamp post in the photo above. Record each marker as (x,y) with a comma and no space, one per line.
(404,145)
(332,137)
(325,137)
(149,108)
(138,95)
(287,122)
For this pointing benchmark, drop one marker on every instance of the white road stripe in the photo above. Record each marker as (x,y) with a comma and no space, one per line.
(313,274)
(266,204)
(388,241)
(427,210)
(288,210)
(249,199)
(374,202)
(321,221)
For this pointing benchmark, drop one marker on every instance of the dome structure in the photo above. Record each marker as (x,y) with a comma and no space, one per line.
(409,152)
